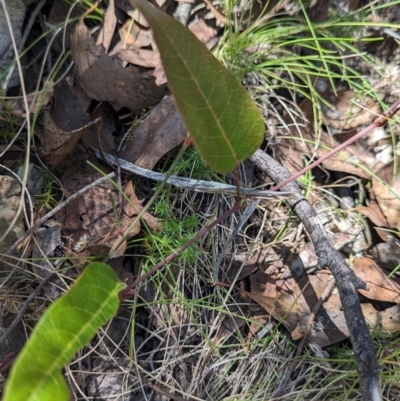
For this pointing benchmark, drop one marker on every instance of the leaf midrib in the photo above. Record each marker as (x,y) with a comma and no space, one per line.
(216,119)
(56,361)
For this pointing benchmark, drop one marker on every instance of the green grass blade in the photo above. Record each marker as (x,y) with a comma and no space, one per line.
(220,116)
(69,324)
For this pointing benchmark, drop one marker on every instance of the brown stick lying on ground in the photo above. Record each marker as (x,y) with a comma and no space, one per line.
(346,281)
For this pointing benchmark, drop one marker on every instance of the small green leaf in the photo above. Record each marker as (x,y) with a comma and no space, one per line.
(69,324)
(220,116)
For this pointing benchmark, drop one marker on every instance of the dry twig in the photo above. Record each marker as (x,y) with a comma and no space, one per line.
(346,280)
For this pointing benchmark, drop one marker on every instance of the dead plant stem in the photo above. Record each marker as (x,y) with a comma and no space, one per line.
(347,281)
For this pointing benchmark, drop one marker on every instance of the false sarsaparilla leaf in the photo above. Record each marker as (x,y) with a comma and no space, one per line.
(69,324)
(220,116)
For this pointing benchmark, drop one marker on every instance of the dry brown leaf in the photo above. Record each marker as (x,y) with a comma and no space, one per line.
(159,75)
(387,193)
(120,251)
(292,300)
(103,78)
(56,144)
(348,160)
(35,102)
(160,132)
(231,323)
(347,114)
(68,122)
(381,288)
(134,208)
(132,34)
(374,213)
(71,105)
(142,57)
(71,112)
(202,31)
(292,149)
(124,275)
(108,29)
(355,159)
(257,323)
(93,213)
(101,136)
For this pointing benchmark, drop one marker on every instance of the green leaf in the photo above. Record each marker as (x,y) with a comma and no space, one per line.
(69,324)
(220,116)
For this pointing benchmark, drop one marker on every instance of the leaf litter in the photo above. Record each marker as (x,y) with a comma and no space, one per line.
(94,213)
(103,78)
(287,297)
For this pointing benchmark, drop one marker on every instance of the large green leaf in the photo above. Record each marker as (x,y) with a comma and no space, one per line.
(69,324)
(220,116)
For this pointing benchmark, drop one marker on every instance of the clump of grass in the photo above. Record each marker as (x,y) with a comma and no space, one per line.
(49,188)
(178,227)
(281,59)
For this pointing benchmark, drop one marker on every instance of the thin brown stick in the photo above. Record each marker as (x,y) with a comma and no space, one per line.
(378,122)
(346,280)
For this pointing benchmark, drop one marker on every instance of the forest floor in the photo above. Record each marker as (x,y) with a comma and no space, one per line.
(224,320)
